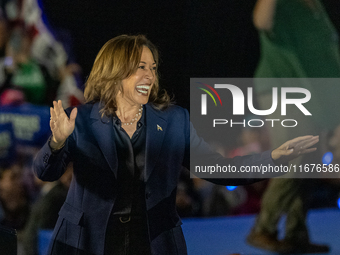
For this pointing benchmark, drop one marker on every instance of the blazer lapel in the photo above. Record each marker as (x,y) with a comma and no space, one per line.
(156,128)
(103,131)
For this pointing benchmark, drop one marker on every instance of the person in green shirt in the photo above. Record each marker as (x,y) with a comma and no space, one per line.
(23,72)
(297,40)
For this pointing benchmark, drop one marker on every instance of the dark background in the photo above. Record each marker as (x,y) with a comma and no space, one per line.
(195,38)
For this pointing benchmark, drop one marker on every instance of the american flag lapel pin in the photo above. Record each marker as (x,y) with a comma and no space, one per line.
(159,128)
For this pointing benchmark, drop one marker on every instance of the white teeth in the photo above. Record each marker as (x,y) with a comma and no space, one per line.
(143,87)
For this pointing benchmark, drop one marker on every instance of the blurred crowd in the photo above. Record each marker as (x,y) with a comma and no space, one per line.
(36,69)
(34,66)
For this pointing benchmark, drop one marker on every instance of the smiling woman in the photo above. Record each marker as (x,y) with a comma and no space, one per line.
(128,146)
(137,86)
(119,61)
(124,77)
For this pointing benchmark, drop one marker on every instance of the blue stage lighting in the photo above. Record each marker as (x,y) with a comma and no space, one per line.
(231,188)
(327,158)
(339,203)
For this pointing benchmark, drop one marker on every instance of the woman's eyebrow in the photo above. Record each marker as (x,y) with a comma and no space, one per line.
(154,63)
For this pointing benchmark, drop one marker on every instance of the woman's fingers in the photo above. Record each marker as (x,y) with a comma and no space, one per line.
(308,150)
(73,115)
(298,140)
(51,118)
(61,111)
(310,143)
(54,118)
(61,125)
(305,144)
(57,118)
(295,147)
(56,108)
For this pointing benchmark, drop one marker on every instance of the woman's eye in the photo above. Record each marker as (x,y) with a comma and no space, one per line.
(141,67)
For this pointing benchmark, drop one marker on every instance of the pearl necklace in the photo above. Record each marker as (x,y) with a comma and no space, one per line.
(138,114)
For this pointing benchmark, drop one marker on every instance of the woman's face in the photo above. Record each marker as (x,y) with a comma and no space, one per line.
(138,86)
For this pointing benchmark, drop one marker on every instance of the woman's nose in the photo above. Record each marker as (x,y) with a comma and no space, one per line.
(150,73)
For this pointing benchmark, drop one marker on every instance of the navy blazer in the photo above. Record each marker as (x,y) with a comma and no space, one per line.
(84,216)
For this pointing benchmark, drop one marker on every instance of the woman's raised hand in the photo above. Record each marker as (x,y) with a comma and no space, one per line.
(61,125)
